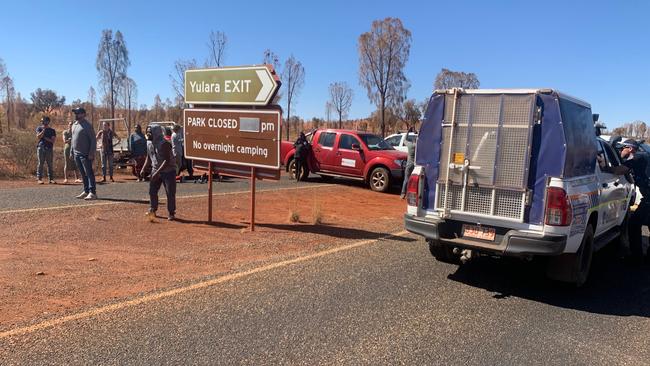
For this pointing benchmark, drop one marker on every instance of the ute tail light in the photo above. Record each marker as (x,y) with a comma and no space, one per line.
(412,190)
(558,207)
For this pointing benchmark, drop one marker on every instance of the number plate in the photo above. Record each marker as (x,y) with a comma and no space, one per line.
(479,232)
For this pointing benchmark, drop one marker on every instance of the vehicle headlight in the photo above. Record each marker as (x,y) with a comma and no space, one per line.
(400,163)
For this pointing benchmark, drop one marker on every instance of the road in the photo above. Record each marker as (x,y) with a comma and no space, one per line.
(48,196)
(377,302)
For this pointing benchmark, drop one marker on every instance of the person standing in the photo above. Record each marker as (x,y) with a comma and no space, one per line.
(107,135)
(177,144)
(637,163)
(84,144)
(410,161)
(300,156)
(67,154)
(46,137)
(160,157)
(138,143)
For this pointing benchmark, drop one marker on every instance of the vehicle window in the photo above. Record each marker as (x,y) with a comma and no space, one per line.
(327,139)
(612,156)
(411,137)
(346,141)
(602,157)
(394,141)
(375,142)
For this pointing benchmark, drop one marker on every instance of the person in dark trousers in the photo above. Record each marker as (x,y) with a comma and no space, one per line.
(637,163)
(300,156)
(106,136)
(138,143)
(84,145)
(46,137)
(410,162)
(160,157)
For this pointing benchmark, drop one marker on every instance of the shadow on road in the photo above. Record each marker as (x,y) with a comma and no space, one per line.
(613,288)
(125,200)
(333,231)
(395,188)
(213,223)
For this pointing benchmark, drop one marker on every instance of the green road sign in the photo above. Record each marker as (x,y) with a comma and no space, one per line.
(245,85)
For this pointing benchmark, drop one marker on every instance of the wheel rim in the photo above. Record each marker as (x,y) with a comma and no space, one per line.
(378,180)
(292,169)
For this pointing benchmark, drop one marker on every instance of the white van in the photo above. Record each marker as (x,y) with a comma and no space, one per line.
(516,173)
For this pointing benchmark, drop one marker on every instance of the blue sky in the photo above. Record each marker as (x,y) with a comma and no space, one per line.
(598,51)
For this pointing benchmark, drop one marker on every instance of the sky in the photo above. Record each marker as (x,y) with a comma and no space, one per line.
(598,51)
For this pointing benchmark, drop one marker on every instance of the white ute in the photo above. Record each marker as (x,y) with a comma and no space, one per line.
(516,173)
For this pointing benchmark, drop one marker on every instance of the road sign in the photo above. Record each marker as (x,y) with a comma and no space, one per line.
(245,85)
(242,137)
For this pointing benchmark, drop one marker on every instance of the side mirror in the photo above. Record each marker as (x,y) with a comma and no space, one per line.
(356,147)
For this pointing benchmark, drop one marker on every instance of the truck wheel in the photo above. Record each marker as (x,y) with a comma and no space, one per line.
(380,179)
(292,171)
(443,253)
(574,268)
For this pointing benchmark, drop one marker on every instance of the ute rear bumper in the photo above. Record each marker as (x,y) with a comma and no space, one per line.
(508,242)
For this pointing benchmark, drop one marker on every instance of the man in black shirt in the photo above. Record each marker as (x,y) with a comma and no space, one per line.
(637,163)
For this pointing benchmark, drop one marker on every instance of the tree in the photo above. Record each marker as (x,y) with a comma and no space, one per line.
(341,99)
(447,79)
(3,77)
(92,99)
(112,62)
(7,86)
(383,53)
(158,109)
(293,76)
(177,76)
(328,111)
(46,101)
(217,46)
(270,58)
(129,91)
(411,113)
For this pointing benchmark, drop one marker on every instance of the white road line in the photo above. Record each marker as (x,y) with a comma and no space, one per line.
(182,290)
(162,200)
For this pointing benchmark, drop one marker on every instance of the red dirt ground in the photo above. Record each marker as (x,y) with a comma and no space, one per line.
(97,255)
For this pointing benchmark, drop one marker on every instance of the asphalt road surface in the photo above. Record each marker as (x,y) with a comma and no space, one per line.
(45,196)
(381,302)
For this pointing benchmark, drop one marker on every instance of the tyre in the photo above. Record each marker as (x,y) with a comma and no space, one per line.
(292,171)
(379,179)
(443,253)
(574,268)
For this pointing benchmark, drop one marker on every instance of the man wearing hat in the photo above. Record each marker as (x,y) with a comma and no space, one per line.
(84,145)
(44,149)
(637,163)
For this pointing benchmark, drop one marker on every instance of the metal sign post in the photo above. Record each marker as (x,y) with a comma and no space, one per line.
(253,199)
(243,142)
(210,192)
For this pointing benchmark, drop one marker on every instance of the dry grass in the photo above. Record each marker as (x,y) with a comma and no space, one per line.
(317,214)
(294,216)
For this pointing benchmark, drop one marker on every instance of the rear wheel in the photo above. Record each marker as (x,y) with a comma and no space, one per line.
(574,267)
(443,253)
(380,179)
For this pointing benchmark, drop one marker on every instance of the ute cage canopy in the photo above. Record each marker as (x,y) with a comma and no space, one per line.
(491,152)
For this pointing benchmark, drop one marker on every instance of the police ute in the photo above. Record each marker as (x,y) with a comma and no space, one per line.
(516,172)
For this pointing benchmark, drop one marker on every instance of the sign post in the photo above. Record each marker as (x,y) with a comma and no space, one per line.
(239,142)
(210,192)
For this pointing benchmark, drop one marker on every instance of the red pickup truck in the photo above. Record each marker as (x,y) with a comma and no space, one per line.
(350,154)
